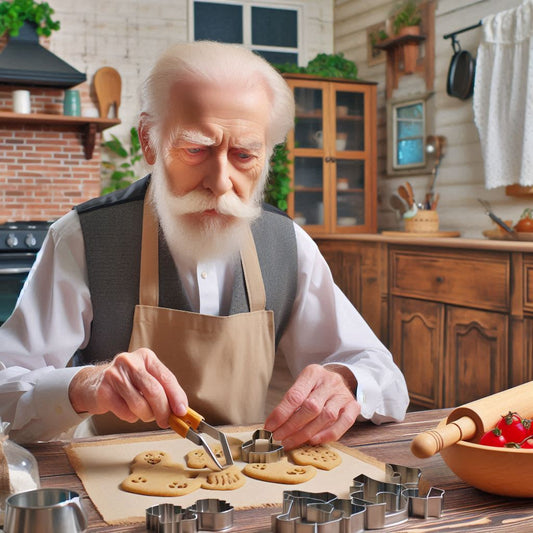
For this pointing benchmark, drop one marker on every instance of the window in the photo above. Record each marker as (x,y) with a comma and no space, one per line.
(409,120)
(269,30)
(409,134)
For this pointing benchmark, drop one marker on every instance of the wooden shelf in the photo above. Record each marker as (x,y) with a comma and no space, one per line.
(389,44)
(89,126)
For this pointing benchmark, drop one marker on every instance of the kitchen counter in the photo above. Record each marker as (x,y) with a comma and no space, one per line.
(464,508)
(444,242)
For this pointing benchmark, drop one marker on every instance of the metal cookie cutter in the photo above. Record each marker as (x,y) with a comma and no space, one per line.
(373,505)
(394,500)
(317,512)
(213,514)
(168,518)
(261,452)
(205,515)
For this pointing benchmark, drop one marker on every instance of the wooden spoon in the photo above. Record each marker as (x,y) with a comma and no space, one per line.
(404,193)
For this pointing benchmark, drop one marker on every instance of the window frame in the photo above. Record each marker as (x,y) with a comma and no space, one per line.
(392,142)
(247,5)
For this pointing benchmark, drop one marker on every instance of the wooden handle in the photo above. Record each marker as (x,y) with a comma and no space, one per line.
(433,441)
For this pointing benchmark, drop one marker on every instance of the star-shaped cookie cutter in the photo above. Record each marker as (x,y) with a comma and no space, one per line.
(209,514)
(373,504)
(261,449)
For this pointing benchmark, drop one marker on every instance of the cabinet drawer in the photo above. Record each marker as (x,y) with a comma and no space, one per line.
(480,280)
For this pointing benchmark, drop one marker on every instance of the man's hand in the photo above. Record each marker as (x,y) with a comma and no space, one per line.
(319,407)
(133,386)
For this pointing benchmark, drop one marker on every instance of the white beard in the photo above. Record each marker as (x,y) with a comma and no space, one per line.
(199,237)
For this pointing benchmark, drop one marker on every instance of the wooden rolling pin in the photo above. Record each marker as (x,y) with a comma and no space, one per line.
(472,420)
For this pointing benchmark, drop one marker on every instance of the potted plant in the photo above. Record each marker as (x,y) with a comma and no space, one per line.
(406,21)
(121,169)
(15,13)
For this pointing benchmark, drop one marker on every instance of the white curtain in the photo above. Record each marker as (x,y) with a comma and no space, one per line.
(503,97)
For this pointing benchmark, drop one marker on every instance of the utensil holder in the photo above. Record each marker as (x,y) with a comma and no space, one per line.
(425,221)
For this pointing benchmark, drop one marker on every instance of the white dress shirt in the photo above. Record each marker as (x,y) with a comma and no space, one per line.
(53,316)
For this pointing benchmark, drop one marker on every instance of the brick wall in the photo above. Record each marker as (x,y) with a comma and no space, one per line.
(43,170)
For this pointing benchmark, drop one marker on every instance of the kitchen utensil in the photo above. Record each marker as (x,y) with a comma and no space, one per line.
(46,510)
(460,81)
(107,86)
(410,193)
(472,420)
(372,505)
(404,194)
(191,425)
(497,219)
(261,449)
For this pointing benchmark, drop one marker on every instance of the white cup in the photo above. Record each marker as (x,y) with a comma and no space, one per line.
(21,102)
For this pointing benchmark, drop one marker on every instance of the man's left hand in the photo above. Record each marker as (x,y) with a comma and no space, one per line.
(319,407)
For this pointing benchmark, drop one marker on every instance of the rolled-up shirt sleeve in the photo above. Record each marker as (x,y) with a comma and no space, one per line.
(50,322)
(325,328)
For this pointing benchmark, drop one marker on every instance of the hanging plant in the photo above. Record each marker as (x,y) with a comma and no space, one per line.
(15,13)
(406,15)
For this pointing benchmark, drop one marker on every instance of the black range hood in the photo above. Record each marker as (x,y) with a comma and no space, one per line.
(25,62)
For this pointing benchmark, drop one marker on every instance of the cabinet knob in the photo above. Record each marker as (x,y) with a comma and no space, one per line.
(439,279)
(329,159)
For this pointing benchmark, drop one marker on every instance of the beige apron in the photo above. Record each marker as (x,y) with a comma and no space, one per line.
(224,363)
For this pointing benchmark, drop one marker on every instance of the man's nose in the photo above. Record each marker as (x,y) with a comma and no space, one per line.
(217,179)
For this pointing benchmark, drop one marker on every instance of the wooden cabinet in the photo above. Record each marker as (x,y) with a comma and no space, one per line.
(456,314)
(332,150)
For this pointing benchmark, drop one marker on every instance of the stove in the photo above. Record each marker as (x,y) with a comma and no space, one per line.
(23,236)
(19,243)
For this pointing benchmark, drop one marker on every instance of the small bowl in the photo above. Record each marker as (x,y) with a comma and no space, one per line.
(503,471)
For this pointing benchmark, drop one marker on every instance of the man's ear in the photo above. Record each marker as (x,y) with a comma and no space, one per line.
(144,138)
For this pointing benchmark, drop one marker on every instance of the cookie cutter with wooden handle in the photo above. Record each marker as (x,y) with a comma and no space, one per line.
(191,424)
(472,420)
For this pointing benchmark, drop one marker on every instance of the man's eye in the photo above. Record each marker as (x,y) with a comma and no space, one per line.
(194,150)
(244,156)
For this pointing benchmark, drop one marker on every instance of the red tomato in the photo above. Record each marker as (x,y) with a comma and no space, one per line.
(526,221)
(512,427)
(493,437)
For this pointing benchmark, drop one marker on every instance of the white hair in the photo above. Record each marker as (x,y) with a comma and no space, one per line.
(216,63)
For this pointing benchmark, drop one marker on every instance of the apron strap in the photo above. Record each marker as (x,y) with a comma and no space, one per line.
(253,278)
(149,275)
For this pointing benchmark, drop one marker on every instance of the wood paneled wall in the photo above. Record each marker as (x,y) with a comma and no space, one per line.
(460,179)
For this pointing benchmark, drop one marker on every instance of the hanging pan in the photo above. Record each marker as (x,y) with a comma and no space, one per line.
(460,82)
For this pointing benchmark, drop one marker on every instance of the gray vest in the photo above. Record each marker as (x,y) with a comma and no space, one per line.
(112,226)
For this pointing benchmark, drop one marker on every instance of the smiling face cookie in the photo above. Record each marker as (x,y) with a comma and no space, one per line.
(154,474)
(280,472)
(321,456)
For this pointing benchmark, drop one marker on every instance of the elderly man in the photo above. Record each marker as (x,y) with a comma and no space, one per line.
(181,289)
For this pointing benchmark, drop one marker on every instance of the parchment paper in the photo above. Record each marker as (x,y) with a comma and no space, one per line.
(102,465)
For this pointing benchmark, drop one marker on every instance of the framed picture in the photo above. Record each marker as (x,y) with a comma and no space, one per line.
(375,34)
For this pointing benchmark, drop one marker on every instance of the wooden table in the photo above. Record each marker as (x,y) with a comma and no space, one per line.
(464,508)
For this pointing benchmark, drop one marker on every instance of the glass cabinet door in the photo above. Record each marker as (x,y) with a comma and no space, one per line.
(349,144)
(308,169)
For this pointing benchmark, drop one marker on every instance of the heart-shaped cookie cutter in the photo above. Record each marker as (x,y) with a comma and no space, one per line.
(253,451)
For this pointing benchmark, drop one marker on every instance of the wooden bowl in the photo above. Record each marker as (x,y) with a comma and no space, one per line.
(503,471)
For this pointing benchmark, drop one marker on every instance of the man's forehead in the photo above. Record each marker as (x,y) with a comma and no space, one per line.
(196,136)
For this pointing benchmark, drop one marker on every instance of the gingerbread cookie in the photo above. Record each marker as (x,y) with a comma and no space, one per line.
(280,472)
(200,459)
(154,474)
(321,456)
(230,478)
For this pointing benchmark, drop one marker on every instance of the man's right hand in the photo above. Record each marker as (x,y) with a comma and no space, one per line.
(133,386)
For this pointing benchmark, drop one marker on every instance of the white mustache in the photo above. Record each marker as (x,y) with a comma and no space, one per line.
(198,201)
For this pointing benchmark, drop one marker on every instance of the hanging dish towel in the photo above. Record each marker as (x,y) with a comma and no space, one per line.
(503,97)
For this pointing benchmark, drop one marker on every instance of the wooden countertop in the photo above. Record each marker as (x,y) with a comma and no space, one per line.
(445,242)
(464,508)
